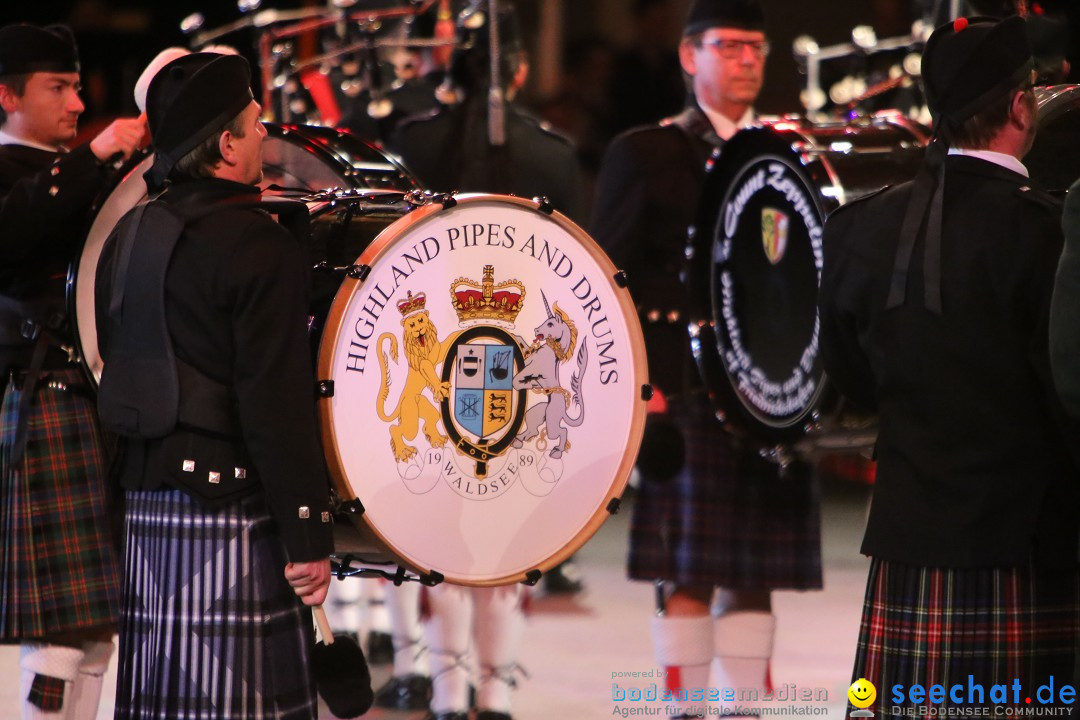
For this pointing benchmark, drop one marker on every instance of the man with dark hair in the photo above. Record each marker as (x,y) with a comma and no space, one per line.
(58,570)
(934,308)
(201,303)
(729,523)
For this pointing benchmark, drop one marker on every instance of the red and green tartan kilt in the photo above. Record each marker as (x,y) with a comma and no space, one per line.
(59,568)
(937,626)
(729,518)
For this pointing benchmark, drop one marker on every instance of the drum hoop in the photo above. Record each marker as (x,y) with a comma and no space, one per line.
(745,419)
(329,342)
(330,152)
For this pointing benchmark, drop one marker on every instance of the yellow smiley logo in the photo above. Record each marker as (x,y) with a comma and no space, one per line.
(862,693)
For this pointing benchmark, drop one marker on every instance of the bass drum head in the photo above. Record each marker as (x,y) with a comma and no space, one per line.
(294,157)
(757,252)
(1054,158)
(486,376)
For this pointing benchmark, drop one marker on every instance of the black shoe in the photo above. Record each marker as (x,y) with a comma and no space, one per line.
(492,715)
(411,692)
(446,716)
(563,580)
(380,648)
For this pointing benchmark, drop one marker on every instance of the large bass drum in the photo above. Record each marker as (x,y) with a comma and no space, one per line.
(483,372)
(756,254)
(297,159)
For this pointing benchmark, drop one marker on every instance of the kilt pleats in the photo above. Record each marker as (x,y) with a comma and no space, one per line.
(938,626)
(729,518)
(59,569)
(209,627)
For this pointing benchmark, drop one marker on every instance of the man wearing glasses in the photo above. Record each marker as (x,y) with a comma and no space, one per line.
(725,522)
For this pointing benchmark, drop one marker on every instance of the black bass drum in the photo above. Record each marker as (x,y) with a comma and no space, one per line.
(756,259)
(1054,159)
(296,159)
(755,266)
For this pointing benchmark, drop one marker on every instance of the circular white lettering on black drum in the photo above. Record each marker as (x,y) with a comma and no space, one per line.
(766,269)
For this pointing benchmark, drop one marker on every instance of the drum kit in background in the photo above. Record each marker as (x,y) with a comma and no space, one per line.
(480,365)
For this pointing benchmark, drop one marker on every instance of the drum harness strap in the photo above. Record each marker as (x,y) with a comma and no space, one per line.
(192,399)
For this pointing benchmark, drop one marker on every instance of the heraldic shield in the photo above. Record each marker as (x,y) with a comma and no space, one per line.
(483,412)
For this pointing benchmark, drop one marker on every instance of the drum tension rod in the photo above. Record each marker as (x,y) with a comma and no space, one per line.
(620,278)
(532,577)
(646,392)
(358,272)
(325,388)
(613,505)
(544,205)
(447,200)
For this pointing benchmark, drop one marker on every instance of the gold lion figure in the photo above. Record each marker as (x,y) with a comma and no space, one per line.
(423,351)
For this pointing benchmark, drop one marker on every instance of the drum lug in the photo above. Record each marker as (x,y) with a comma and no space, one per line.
(544,205)
(620,278)
(432,578)
(446,199)
(325,388)
(613,506)
(532,577)
(359,272)
(646,392)
(352,507)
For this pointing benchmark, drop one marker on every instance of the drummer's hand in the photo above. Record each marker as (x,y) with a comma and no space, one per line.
(309,580)
(122,137)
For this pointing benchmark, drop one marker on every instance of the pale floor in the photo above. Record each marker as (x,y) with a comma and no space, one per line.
(572,647)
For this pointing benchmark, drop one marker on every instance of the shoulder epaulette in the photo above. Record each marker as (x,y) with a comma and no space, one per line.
(1041,197)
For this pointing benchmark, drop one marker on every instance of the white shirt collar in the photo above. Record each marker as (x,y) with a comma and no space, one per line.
(9,139)
(1004,160)
(723,125)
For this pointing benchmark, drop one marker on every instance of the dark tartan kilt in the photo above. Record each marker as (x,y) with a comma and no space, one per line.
(729,518)
(937,626)
(210,628)
(59,567)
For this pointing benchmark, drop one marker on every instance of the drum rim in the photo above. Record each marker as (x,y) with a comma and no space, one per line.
(725,399)
(329,342)
(281,130)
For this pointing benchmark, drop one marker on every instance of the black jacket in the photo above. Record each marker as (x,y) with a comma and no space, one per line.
(448,151)
(646,198)
(236,299)
(44,201)
(974,455)
(1065,310)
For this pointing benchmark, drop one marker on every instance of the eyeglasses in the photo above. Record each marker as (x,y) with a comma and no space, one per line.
(732,49)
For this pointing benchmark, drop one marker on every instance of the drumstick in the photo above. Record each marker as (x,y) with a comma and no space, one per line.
(324,624)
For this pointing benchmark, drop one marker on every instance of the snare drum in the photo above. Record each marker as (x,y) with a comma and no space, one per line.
(296,157)
(482,372)
(756,254)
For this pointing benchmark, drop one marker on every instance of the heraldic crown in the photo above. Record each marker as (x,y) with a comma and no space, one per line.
(486,301)
(412,304)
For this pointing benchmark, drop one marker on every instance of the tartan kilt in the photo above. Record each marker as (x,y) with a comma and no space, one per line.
(59,570)
(209,625)
(937,626)
(729,518)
